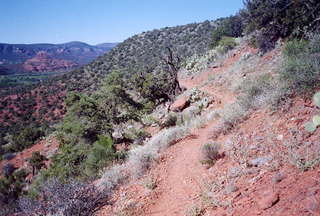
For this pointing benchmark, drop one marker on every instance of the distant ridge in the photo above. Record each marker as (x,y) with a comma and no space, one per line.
(13,57)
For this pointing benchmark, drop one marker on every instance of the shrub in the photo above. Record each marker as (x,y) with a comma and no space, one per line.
(11,187)
(301,67)
(72,198)
(279,19)
(227,43)
(137,136)
(101,154)
(67,163)
(210,153)
(26,138)
(37,161)
(170,120)
(256,91)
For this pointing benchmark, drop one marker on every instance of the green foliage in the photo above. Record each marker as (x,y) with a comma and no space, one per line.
(254,88)
(11,187)
(227,43)
(101,154)
(301,68)
(153,88)
(133,134)
(227,27)
(295,47)
(85,134)
(68,163)
(279,19)
(26,138)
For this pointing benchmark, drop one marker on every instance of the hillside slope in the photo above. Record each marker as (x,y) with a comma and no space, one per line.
(264,163)
(145,52)
(44,103)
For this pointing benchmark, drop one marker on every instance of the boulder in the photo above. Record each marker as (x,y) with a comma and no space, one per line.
(180,104)
(268,199)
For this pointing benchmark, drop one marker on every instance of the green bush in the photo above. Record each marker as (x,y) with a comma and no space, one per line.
(134,134)
(301,67)
(279,19)
(101,154)
(26,138)
(67,163)
(11,187)
(227,43)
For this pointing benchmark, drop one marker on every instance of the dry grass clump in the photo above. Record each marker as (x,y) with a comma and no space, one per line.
(230,116)
(302,154)
(113,177)
(195,210)
(58,198)
(128,208)
(210,153)
(150,183)
(141,157)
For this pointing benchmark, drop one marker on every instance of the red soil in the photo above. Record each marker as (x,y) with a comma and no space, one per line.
(20,160)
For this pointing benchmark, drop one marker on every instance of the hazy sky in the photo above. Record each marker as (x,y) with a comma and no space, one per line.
(98,21)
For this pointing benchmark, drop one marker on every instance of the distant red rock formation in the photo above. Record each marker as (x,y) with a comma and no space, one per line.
(43,62)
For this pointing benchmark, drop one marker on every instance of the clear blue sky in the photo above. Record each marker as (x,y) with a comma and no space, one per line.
(98,21)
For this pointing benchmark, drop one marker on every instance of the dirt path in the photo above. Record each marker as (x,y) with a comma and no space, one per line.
(179,175)
(182,175)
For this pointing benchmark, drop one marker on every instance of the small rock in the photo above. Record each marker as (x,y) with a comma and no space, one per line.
(278,177)
(260,161)
(269,199)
